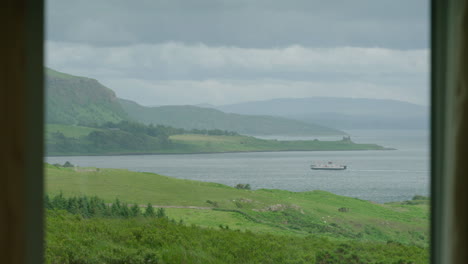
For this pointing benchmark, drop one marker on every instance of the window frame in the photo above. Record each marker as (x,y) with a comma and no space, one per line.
(30,189)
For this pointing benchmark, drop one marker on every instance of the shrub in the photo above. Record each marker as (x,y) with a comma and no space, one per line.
(243,186)
(67,164)
(149,212)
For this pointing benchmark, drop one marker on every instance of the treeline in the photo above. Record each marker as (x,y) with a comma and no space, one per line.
(93,206)
(163,131)
(125,136)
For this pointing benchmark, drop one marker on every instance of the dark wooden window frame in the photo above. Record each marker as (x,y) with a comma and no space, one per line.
(22,88)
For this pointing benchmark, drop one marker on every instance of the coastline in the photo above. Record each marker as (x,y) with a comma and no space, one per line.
(198,153)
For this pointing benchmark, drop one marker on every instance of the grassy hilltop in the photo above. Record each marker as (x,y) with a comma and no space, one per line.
(80,100)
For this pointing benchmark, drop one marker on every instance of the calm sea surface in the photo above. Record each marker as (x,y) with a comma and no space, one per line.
(380,176)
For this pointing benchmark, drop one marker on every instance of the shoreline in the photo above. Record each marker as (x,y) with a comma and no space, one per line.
(198,153)
(94,169)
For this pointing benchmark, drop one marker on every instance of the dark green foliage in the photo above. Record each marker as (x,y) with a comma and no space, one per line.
(59,202)
(213,203)
(115,208)
(88,207)
(47,203)
(149,211)
(72,239)
(161,213)
(243,186)
(417,199)
(420,197)
(67,164)
(344,253)
(135,210)
(162,131)
(238,204)
(125,136)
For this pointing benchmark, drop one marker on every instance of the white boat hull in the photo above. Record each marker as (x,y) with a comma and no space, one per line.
(328,168)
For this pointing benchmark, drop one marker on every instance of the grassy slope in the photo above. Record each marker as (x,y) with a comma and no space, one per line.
(79,100)
(267,211)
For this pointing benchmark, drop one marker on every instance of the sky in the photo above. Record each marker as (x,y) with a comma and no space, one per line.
(168,52)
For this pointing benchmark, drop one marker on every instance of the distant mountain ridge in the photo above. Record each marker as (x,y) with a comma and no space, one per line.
(74,100)
(193,117)
(339,112)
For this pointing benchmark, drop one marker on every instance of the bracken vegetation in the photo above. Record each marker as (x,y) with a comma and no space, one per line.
(86,230)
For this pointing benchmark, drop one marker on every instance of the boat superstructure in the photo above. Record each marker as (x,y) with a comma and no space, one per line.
(327,166)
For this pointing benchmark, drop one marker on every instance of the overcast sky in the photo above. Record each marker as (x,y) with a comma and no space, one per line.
(159,52)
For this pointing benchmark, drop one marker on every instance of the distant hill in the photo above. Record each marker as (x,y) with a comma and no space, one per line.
(76,100)
(342,113)
(193,117)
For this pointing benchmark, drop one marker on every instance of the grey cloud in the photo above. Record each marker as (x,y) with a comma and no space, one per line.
(159,73)
(180,61)
(368,23)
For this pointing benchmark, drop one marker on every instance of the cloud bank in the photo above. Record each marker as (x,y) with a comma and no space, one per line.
(179,73)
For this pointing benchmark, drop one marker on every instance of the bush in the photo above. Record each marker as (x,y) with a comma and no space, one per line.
(213,203)
(149,212)
(67,164)
(243,186)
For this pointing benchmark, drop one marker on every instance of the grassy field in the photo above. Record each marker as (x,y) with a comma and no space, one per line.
(206,143)
(69,131)
(262,211)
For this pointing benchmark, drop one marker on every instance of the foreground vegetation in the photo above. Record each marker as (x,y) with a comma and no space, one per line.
(74,239)
(134,138)
(276,212)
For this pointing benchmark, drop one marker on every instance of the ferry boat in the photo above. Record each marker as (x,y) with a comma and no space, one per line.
(328,166)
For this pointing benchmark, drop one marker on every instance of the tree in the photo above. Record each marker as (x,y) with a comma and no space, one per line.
(161,213)
(125,211)
(59,202)
(47,204)
(149,212)
(67,164)
(115,208)
(135,210)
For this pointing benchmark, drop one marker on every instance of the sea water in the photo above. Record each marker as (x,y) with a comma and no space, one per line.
(379,176)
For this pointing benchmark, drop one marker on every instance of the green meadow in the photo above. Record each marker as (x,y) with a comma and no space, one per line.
(277,212)
(69,130)
(209,143)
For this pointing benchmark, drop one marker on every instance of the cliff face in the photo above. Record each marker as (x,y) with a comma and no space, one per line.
(76,100)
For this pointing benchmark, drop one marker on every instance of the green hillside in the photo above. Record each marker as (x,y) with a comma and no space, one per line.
(192,117)
(135,138)
(79,100)
(279,212)
(75,100)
